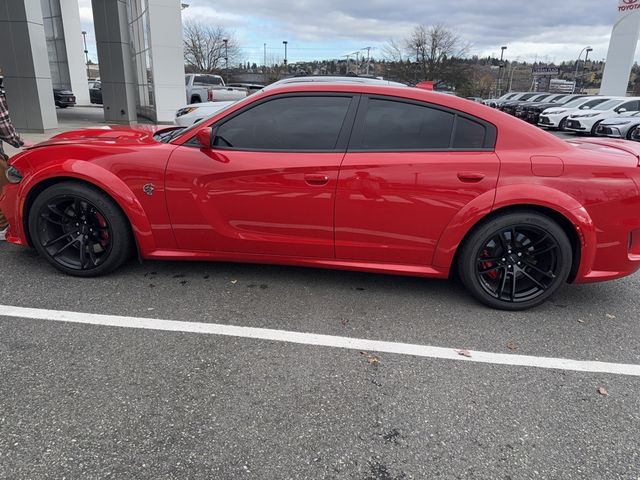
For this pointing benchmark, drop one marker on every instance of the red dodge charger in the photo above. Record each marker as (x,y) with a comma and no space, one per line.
(339,175)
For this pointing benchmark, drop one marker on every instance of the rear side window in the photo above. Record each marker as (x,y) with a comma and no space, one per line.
(291,123)
(390,125)
(469,134)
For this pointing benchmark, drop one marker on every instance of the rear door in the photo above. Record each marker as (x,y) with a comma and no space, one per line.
(409,170)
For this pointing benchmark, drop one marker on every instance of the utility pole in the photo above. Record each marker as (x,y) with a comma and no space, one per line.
(348,57)
(86,53)
(264,65)
(368,58)
(226,59)
(500,73)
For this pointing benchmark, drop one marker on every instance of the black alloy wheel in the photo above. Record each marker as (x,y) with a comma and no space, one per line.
(516,261)
(79,230)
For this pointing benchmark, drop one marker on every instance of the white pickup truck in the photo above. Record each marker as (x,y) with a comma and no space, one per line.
(204,87)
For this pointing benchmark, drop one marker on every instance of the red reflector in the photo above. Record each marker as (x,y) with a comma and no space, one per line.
(210,95)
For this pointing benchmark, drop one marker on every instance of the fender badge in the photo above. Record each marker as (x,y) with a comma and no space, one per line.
(148,189)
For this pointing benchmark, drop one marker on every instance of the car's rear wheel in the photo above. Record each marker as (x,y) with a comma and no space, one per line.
(79,230)
(515,261)
(631,133)
(595,128)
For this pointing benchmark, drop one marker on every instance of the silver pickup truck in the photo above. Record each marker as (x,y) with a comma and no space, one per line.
(203,87)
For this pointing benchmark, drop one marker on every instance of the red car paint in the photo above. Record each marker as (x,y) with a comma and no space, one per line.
(394,212)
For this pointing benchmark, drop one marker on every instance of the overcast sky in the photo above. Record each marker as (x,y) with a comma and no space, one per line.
(546,30)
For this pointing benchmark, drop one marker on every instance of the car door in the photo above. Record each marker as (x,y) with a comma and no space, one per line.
(410,168)
(268,184)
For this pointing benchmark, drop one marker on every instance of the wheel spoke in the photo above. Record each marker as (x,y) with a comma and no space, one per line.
(83,253)
(488,260)
(514,238)
(54,209)
(544,250)
(532,278)
(503,283)
(482,271)
(47,218)
(92,255)
(56,240)
(514,275)
(540,271)
(73,240)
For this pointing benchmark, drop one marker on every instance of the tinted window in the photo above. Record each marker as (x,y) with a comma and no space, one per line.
(390,125)
(293,123)
(629,106)
(469,134)
(592,103)
(207,80)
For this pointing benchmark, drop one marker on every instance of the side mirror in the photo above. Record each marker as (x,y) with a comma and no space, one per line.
(622,110)
(586,107)
(205,137)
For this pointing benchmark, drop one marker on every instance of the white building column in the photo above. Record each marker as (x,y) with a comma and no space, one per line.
(622,49)
(23,59)
(167,57)
(70,12)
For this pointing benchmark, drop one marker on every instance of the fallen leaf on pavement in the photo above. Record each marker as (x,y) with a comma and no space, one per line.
(610,316)
(512,346)
(580,320)
(234,281)
(464,353)
(603,391)
(373,360)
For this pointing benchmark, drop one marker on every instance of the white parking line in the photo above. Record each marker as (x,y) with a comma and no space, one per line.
(322,340)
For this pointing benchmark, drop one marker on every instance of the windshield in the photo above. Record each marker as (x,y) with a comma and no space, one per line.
(608,105)
(576,102)
(527,96)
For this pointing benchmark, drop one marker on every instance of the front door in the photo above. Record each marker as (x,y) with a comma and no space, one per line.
(268,185)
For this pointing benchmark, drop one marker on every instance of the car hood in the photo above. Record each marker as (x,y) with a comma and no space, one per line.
(112,135)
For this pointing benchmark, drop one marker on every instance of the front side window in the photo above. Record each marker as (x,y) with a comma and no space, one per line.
(592,103)
(292,123)
(390,125)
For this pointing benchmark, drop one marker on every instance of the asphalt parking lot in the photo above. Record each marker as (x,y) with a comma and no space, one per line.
(96,401)
(336,375)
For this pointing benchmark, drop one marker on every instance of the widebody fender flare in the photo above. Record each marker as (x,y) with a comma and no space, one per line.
(518,195)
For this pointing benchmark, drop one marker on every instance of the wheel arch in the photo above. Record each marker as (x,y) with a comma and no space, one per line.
(560,207)
(115,189)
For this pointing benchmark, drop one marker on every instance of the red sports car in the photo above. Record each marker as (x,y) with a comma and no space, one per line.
(349,176)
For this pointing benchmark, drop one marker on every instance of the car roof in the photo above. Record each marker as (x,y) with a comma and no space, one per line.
(335,79)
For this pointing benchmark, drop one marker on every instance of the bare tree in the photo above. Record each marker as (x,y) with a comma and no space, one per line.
(204,47)
(433,46)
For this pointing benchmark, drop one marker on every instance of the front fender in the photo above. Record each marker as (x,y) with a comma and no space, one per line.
(102,179)
(513,196)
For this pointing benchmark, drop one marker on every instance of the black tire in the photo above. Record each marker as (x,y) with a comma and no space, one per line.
(540,258)
(594,128)
(562,124)
(630,134)
(195,99)
(80,230)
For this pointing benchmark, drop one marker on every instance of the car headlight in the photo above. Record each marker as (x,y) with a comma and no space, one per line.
(618,123)
(13,175)
(184,111)
(587,115)
(555,112)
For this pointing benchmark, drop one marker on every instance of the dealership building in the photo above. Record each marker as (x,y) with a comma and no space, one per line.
(139,45)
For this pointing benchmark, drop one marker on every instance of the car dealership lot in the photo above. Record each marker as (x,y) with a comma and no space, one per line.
(93,401)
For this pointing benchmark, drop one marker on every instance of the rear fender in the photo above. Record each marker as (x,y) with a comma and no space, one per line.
(519,196)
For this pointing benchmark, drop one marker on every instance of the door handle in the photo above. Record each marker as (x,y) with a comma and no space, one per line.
(470,177)
(316,179)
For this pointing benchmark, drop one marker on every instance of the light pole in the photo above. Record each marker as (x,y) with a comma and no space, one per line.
(575,75)
(284,42)
(226,59)
(368,58)
(86,53)
(500,73)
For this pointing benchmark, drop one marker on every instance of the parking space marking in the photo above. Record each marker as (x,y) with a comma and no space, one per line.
(322,340)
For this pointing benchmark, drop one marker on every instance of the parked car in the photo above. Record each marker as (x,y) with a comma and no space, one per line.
(95,92)
(556,117)
(587,122)
(516,97)
(510,107)
(249,87)
(195,112)
(625,125)
(531,112)
(493,102)
(339,175)
(64,98)
(210,88)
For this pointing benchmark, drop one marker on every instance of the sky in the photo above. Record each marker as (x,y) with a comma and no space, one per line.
(543,30)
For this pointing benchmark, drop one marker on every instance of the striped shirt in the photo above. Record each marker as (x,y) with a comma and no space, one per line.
(7,132)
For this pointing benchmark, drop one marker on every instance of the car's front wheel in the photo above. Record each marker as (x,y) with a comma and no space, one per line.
(79,230)
(515,261)
(562,125)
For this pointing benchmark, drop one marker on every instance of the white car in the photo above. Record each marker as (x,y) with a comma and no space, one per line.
(556,117)
(587,122)
(187,116)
